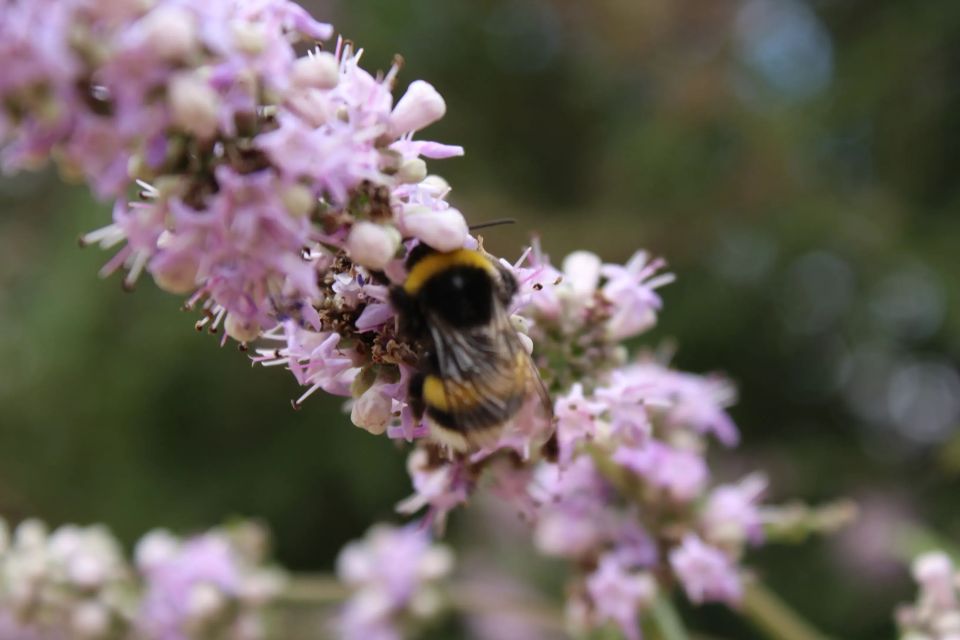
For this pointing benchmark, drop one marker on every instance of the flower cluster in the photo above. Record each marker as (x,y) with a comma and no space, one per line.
(274,188)
(936,613)
(76,583)
(73,582)
(630,499)
(394,576)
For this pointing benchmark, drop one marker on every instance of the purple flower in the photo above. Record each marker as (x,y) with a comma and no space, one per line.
(576,418)
(391,573)
(631,289)
(706,573)
(682,474)
(732,515)
(619,594)
(204,583)
(441,487)
(684,400)
(574,517)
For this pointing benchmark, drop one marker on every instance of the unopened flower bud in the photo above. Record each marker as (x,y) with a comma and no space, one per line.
(176,276)
(581,270)
(194,105)
(436,563)
(241,329)
(86,570)
(372,410)
(169,31)
(435,185)
(249,36)
(204,602)
(299,200)
(412,171)
(443,230)
(30,534)
(154,549)
(318,71)
(372,245)
(419,107)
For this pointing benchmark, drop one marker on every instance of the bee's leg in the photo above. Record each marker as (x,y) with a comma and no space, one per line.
(415,395)
(407,310)
(508,285)
(551,448)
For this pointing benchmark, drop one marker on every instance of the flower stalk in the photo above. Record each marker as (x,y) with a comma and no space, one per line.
(772,616)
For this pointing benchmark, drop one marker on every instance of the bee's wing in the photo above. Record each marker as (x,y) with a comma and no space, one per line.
(487,376)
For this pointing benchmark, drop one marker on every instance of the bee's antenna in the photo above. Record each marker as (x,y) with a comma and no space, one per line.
(492,223)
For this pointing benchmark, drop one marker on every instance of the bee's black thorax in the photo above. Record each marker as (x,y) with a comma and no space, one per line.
(463,296)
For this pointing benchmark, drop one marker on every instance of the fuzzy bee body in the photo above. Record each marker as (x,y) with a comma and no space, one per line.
(475,374)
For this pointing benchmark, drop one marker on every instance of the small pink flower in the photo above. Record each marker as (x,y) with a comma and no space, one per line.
(706,573)
(620,594)
(682,474)
(732,513)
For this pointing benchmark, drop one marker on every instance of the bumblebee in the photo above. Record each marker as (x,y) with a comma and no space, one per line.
(475,375)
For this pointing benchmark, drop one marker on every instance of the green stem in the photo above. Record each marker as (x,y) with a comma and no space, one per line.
(773,616)
(667,620)
(312,590)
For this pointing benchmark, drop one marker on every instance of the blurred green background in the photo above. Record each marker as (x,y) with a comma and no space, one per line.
(797,163)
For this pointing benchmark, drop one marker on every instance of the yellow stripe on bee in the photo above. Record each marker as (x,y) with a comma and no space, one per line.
(435,263)
(465,394)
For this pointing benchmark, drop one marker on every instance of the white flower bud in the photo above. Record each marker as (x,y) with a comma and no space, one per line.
(444,230)
(169,31)
(372,245)
(194,105)
(241,329)
(354,564)
(30,534)
(933,566)
(154,549)
(372,410)
(90,620)
(318,71)
(86,570)
(249,37)
(298,200)
(204,602)
(262,586)
(176,276)
(436,563)
(581,271)
(420,106)
(412,171)
(435,185)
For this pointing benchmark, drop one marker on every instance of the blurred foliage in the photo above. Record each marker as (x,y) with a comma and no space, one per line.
(797,162)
